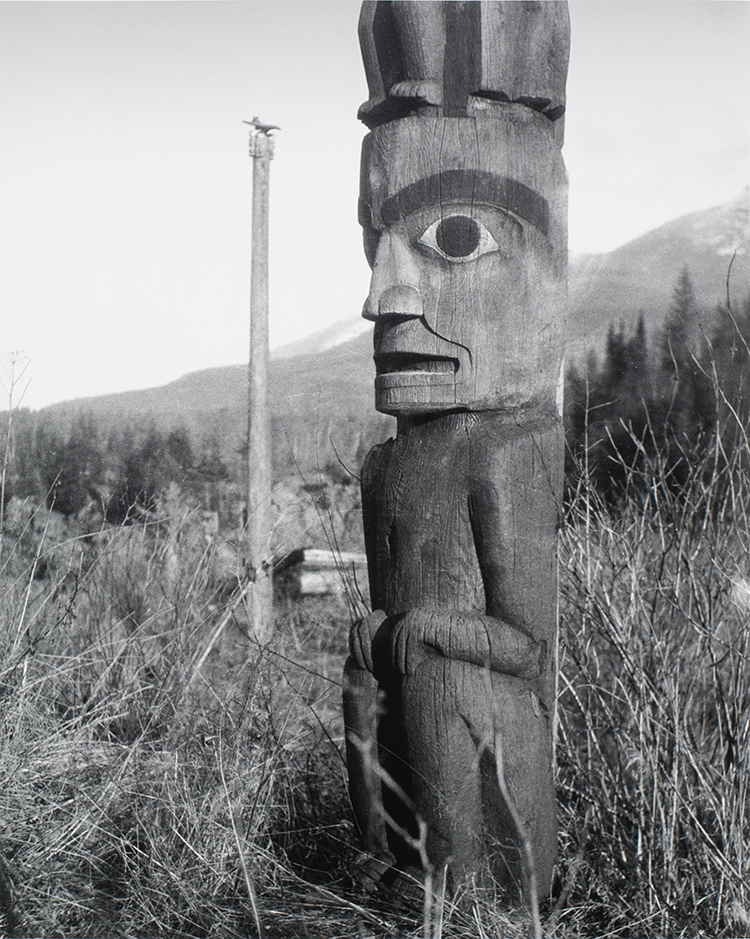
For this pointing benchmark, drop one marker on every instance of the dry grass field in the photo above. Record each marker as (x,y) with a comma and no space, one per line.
(163,775)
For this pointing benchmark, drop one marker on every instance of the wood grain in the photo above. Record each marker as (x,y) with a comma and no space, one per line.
(463,204)
(445,55)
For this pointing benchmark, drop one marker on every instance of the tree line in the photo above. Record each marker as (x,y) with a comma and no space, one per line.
(85,465)
(659,400)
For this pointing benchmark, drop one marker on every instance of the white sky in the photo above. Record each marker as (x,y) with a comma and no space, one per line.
(125,182)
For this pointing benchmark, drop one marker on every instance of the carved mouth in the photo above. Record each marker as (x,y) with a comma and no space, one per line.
(392,362)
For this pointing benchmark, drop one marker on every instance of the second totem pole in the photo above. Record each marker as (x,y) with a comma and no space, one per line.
(450,685)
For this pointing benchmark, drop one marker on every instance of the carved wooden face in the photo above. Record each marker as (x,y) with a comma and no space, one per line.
(464,223)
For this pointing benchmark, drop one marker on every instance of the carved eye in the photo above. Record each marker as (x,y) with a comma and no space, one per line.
(458,238)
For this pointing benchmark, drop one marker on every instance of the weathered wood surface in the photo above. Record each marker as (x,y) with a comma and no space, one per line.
(486,323)
(321,572)
(460,519)
(441,53)
(463,208)
(258,430)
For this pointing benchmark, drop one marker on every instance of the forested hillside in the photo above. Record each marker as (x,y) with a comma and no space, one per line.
(649,395)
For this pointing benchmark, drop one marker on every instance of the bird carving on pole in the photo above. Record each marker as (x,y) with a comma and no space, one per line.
(262,128)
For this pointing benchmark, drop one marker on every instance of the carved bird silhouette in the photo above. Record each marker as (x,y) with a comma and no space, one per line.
(259,125)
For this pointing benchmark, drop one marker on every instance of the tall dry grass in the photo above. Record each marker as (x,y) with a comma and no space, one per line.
(654,710)
(162,774)
(159,770)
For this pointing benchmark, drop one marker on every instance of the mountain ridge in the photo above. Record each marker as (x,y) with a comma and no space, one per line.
(639,276)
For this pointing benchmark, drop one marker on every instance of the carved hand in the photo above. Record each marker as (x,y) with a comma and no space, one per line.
(362,639)
(475,638)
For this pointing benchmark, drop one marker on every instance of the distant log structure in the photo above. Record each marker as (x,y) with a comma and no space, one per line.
(449,688)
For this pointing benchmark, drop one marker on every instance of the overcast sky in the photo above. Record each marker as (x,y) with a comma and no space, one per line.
(125,182)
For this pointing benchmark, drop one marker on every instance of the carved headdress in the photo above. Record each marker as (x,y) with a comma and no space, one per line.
(456,56)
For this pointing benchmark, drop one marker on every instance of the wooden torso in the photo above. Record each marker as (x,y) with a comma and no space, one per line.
(420,543)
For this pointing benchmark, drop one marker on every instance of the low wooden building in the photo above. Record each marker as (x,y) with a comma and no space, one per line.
(318,572)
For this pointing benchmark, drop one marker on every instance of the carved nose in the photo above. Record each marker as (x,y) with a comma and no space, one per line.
(400,301)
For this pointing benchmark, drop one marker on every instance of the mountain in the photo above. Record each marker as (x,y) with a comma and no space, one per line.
(353,327)
(297,383)
(321,400)
(320,383)
(639,277)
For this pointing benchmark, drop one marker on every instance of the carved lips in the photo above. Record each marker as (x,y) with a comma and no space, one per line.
(400,362)
(404,370)
(413,365)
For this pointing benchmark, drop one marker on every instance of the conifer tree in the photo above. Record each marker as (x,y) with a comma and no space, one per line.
(71,465)
(685,406)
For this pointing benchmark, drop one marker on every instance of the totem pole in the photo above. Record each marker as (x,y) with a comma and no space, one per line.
(450,684)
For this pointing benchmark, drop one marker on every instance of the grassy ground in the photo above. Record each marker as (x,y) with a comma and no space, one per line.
(163,775)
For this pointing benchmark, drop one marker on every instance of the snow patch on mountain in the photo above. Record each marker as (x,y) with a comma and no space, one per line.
(335,335)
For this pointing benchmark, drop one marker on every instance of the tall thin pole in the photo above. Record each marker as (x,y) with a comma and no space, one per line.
(258,429)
